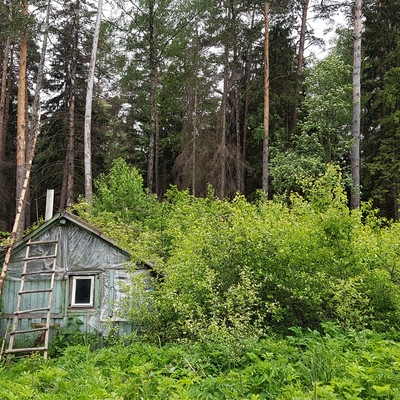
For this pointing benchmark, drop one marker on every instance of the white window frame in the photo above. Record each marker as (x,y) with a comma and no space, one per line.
(80,277)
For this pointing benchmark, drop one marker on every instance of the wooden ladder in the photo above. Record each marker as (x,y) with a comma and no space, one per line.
(19,313)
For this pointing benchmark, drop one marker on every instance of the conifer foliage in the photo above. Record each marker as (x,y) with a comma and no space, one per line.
(179,91)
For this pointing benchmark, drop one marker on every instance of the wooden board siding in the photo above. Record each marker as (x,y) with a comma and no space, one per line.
(30,301)
(83,250)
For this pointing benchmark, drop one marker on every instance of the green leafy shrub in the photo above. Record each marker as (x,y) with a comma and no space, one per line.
(70,334)
(229,270)
(121,193)
(337,364)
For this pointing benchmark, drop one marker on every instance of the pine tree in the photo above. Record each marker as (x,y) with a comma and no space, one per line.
(380,86)
(22,122)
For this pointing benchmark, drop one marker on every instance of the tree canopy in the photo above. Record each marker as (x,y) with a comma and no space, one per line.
(179,94)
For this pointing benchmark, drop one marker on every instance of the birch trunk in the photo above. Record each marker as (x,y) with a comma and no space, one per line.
(265,168)
(355,151)
(30,153)
(88,109)
(19,214)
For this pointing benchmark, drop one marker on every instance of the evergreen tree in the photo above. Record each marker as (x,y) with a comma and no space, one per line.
(380,85)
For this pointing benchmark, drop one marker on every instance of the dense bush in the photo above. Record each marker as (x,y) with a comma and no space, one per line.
(231,277)
(234,269)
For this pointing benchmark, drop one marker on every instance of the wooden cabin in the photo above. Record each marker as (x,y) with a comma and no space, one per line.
(89,269)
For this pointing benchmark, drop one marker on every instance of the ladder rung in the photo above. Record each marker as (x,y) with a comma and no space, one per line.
(43,271)
(28,331)
(31,310)
(35,291)
(41,242)
(40,257)
(9,351)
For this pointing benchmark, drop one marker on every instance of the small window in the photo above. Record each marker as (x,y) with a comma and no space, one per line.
(82,291)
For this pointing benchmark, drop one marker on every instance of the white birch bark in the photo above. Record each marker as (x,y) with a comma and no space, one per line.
(355,151)
(88,109)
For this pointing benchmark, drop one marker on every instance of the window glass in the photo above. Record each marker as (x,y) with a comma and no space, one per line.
(82,291)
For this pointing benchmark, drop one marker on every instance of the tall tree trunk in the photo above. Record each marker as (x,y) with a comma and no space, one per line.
(22,123)
(300,61)
(238,139)
(195,127)
(247,103)
(30,150)
(35,123)
(18,215)
(88,109)
(223,151)
(67,190)
(153,100)
(157,140)
(70,156)
(265,168)
(236,101)
(355,151)
(8,96)
(3,130)
(28,144)
(34,128)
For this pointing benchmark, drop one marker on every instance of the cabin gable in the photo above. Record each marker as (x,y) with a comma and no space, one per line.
(88,265)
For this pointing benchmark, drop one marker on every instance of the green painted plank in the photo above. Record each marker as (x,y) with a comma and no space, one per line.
(111,299)
(96,291)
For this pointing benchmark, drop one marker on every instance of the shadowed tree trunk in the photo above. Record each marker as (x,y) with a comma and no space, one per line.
(195,127)
(265,168)
(157,141)
(246,104)
(355,151)
(223,149)
(3,130)
(67,190)
(153,98)
(34,128)
(8,97)
(300,61)
(9,86)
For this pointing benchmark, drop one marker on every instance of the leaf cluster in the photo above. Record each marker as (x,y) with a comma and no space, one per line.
(307,364)
(229,270)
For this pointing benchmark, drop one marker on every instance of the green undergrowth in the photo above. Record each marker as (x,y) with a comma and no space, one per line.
(303,365)
(234,268)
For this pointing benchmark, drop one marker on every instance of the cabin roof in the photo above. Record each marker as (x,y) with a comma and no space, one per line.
(62,218)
